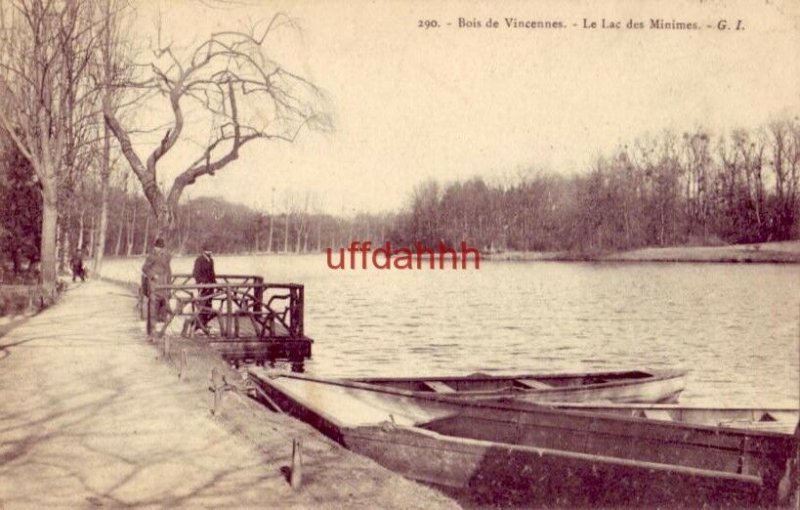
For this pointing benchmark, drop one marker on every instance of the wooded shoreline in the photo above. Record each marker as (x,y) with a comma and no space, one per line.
(763,253)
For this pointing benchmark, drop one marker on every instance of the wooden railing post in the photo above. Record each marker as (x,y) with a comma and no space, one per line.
(229,307)
(149,314)
(300,309)
(258,292)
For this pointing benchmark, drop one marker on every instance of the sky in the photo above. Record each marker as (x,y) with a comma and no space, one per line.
(449,103)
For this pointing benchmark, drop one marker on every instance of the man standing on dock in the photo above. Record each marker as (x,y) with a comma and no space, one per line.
(157,271)
(204,274)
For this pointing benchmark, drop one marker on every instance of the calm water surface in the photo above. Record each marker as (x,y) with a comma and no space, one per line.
(735,327)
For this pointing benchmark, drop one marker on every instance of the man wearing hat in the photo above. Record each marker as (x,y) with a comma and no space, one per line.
(156,270)
(204,274)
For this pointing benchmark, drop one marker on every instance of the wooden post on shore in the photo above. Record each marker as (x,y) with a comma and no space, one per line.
(217,402)
(182,373)
(218,383)
(149,318)
(296,474)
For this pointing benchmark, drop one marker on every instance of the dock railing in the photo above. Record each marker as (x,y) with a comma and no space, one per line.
(242,306)
(188,279)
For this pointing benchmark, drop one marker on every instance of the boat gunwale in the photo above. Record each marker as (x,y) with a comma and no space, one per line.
(502,405)
(664,375)
(732,445)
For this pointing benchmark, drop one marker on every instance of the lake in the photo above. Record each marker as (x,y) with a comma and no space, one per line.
(734,326)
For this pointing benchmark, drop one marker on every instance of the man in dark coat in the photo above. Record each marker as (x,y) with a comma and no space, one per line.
(78,271)
(156,270)
(204,274)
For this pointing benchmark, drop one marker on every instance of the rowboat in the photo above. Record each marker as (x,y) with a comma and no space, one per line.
(778,419)
(520,453)
(650,386)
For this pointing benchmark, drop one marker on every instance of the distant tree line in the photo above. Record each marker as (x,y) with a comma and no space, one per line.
(80,169)
(673,190)
(689,189)
(224,226)
(131,227)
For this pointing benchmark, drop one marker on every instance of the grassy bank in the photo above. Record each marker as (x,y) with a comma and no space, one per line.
(787,252)
(19,302)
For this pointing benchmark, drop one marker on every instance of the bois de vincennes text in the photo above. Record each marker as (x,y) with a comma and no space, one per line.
(585,23)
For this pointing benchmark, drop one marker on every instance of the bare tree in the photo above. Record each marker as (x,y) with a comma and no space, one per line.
(289,208)
(110,68)
(270,249)
(131,231)
(302,225)
(698,165)
(782,137)
(45,97)
(243,95)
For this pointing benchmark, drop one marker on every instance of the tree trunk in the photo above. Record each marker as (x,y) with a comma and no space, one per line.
(131,232)
(146,233)
(298,237)
(121,228)
(48,254)
(286,236)
(79,245)
(90,244)
(271,225)
(62,242)
(102,228)
(187,230)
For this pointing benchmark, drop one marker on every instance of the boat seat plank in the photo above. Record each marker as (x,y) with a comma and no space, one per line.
(533,384)
(657,414)
(439,387)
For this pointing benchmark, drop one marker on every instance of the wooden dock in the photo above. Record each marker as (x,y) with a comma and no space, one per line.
(245,319)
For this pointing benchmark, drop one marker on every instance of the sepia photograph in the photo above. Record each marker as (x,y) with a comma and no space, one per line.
(399,254)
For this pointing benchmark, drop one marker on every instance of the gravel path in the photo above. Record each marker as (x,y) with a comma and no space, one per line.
(90,416)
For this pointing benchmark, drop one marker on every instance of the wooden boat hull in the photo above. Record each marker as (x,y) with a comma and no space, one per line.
(639,386)
(775,419)
(692,453)
(524,452)
(502,474)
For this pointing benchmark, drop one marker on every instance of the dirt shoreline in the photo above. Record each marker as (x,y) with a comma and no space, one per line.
(95,415)
(787,252)
(332,476)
